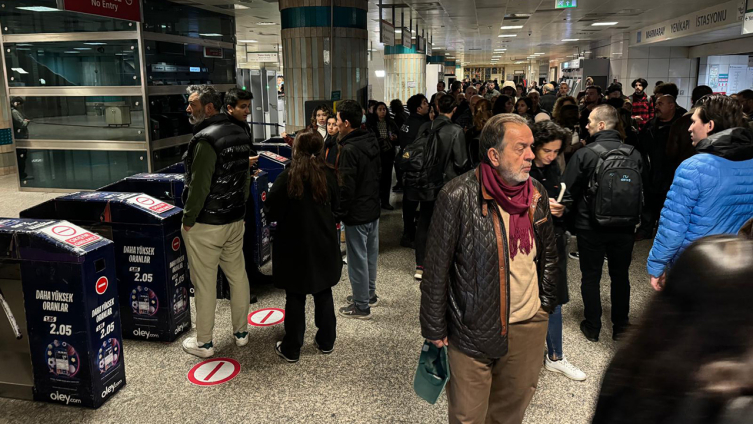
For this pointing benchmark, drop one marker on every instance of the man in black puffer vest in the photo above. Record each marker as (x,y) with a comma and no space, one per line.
(217,185)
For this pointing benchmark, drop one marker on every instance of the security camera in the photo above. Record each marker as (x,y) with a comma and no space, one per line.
(530,32)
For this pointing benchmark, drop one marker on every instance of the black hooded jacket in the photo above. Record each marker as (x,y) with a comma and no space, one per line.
(359,166)
(409,130)
(653,146)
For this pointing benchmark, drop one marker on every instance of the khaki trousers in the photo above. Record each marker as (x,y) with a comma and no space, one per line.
(498,390)
(209,246)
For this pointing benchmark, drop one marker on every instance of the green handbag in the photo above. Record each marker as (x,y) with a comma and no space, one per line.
(432,373)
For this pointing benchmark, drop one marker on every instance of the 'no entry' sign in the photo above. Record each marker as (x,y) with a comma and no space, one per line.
(214,371)
(266,317)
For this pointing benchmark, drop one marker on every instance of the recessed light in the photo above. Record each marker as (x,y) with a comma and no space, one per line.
(38,9)
(19,70)
(512,27)
(570,39)
(538,54)
(500,50)
(72,51)
(266,23)
(604,23)
(247,41)
(507,35)
(82,48)
(211,34)
(379,73)
(96,44)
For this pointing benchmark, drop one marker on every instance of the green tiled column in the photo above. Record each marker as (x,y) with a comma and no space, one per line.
(309,28)
(405,72)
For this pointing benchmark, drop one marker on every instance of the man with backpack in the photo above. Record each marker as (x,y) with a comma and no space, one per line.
(437,156)
(604,183)
(418,107)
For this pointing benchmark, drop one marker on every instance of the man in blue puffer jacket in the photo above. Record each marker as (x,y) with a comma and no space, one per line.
(712,192)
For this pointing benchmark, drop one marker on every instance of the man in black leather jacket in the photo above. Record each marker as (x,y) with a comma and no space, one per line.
(418,107)
(487,291)
(217,186)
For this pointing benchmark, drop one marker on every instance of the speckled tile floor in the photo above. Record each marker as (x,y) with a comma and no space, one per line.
(368,379)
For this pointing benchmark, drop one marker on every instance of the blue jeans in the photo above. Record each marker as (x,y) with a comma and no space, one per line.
(554,334)
(362,242)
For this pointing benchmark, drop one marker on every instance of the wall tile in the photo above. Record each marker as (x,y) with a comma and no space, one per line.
(658,52)
(652,83)
(679,67)
(678,52)
(638,68)
(684,101)
(637,53)
(693,67)
(658,67)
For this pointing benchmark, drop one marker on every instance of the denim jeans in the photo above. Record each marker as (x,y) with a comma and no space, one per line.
(362,243)
(554,334)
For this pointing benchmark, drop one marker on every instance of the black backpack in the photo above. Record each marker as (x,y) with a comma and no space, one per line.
(616,188)
(420,165)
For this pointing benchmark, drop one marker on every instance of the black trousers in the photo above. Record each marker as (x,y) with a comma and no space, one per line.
(295,322)
(422,230)
(618,247)
(385,180)
(410,218)
(398,172)
(651,212)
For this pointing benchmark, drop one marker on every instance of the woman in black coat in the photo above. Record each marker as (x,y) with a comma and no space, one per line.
(386,131)
(306,251)
(547,146)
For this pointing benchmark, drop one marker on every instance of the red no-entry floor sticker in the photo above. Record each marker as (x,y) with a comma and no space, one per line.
(214,371)
(266,317)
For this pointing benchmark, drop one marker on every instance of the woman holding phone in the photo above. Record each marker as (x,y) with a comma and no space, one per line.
(547,146)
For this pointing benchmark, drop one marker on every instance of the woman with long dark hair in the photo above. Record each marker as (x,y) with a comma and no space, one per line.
(481,114)
(503,104)
(318,122)
(524,108)
(306,252)
(380,123)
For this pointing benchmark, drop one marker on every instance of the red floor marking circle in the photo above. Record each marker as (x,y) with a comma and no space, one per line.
(266,317)
(214,371)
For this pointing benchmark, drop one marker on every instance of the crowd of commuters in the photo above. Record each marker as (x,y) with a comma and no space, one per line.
(495,182)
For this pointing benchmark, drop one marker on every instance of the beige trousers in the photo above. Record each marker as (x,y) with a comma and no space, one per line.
(498,390)
(209,246)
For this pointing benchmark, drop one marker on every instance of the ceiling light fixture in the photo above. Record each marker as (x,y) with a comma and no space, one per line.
(571,39)
(95,44)
(512,27)
(266,23)
(247,41)
(38,9)
(379,73)
(507,35)
(211,34)
(538,54)
(604,23)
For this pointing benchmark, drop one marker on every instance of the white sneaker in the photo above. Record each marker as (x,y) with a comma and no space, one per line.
(190,345)
(241,339)
(564,367)
(419,275)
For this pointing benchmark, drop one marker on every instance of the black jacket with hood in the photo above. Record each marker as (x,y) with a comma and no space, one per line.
(652,144)
(409,130)
(359,166)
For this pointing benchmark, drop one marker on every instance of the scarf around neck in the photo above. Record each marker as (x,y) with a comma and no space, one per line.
(515,201)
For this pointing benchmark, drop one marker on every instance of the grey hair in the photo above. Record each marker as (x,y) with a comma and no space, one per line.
(606,114)
(549,88)
(493,134)
(207,95)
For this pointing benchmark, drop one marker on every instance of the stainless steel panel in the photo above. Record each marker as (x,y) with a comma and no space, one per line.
(134,146)
(153,36)
(71,36)
(170,142)
(75,91)
(166,90)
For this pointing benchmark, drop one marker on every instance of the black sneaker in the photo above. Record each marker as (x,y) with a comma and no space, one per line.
(574,255)
(282,355)
(388,207)
(324,352)
(373,301)
(406,241)
(590,336)
(621,332)
(351,311)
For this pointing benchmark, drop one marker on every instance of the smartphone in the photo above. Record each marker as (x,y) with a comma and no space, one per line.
(179,303)
(61,361)
(143,304)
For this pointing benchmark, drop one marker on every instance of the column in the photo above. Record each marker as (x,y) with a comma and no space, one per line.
(324,44)
(405,71)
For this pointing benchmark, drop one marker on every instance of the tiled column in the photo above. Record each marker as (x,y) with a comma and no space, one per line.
(405,72)
(324,50)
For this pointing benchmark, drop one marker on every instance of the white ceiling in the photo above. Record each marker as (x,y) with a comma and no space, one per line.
(469,29)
